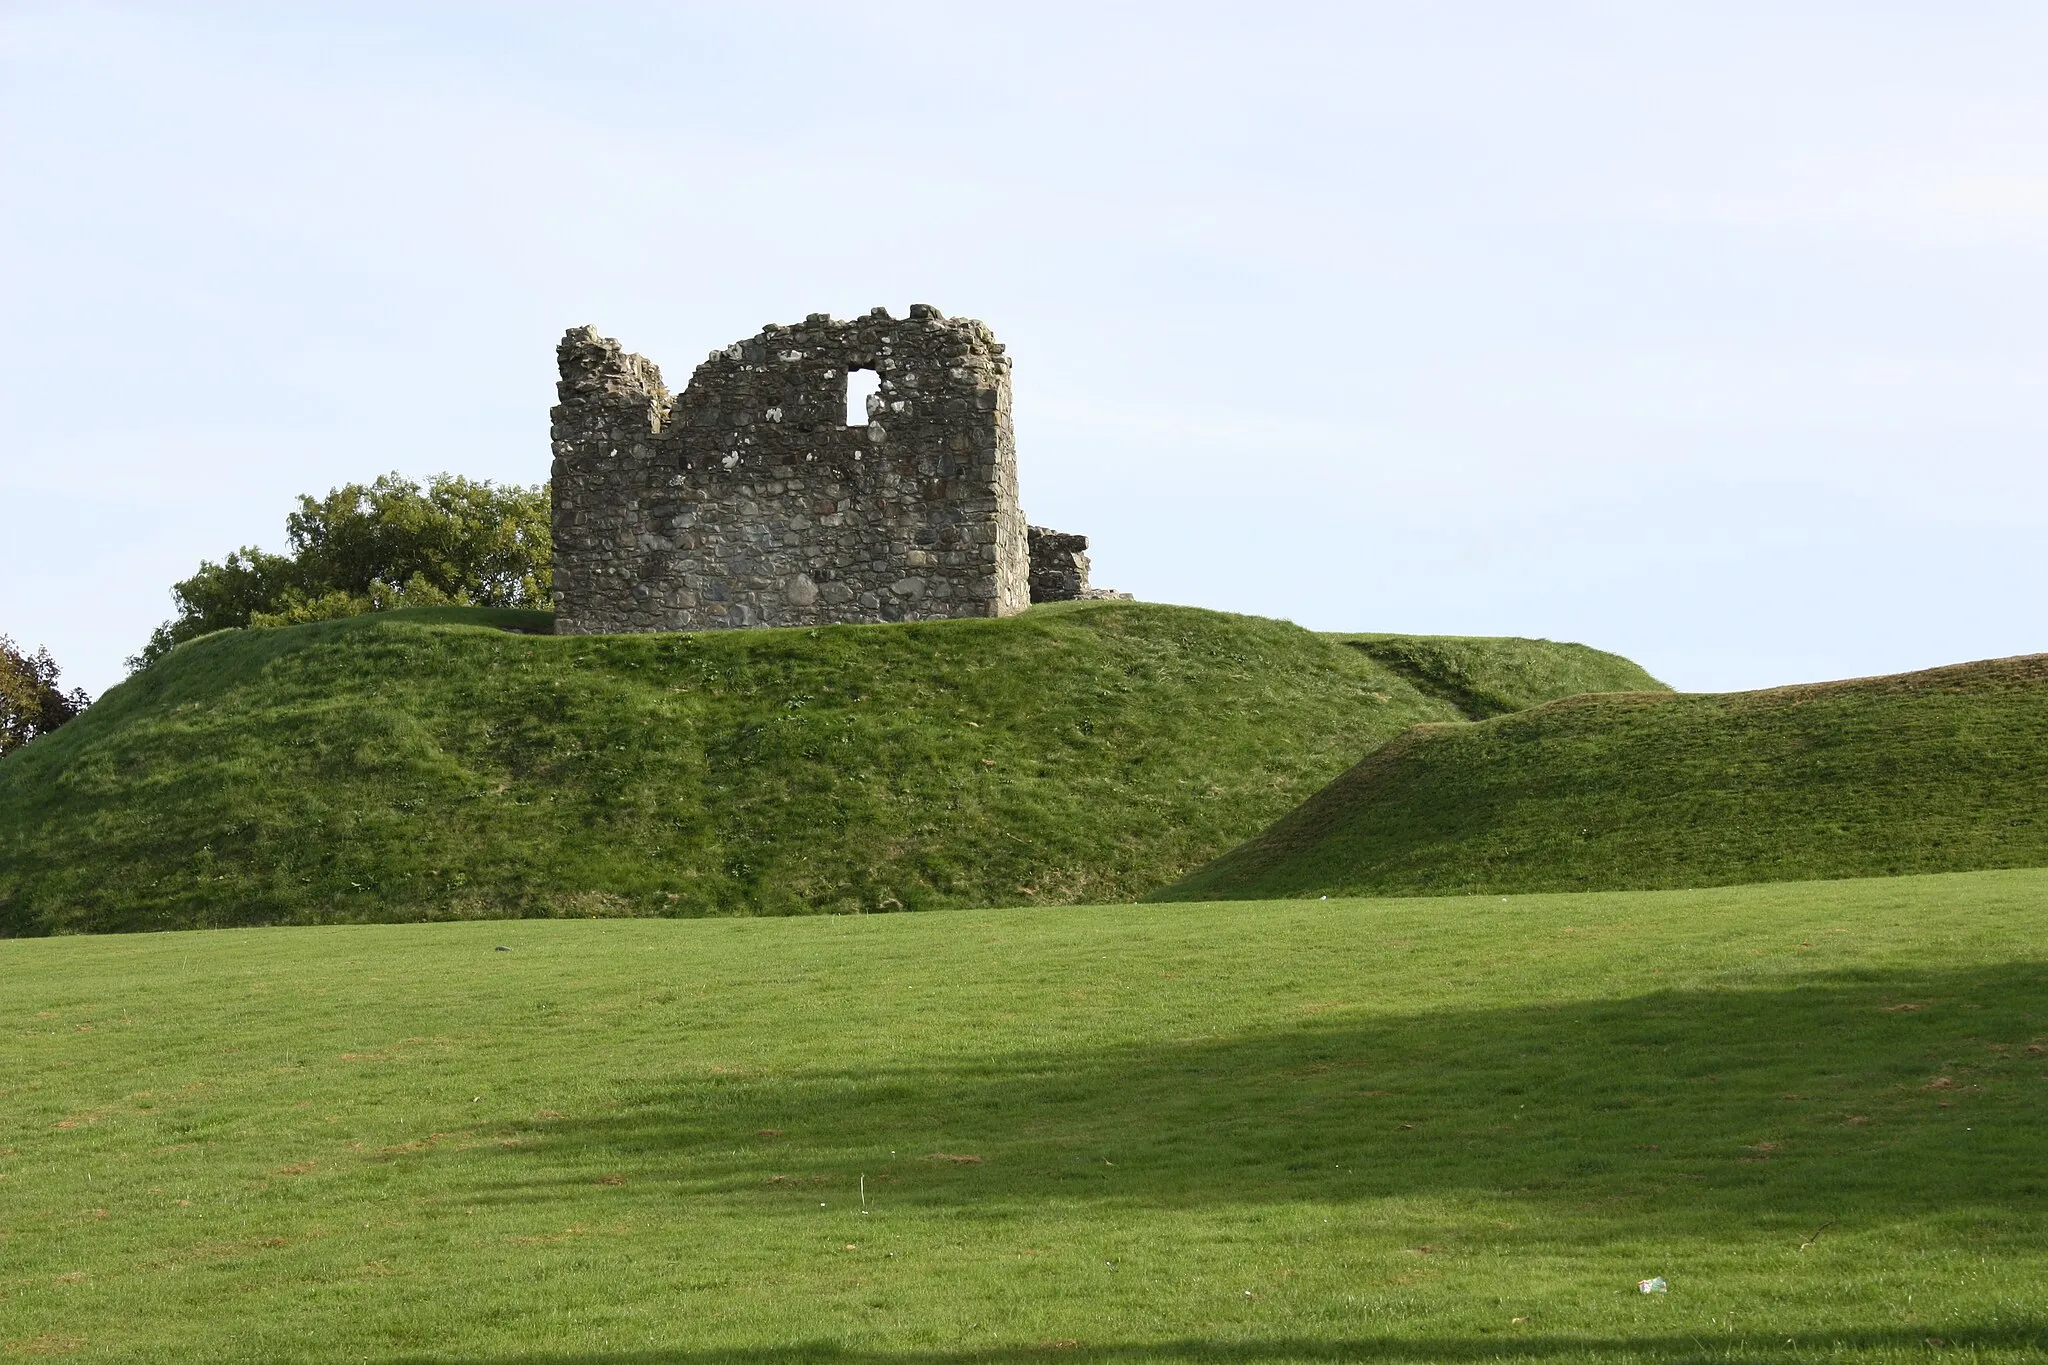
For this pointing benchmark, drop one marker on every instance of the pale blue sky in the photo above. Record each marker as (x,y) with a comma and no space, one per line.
(1712,334)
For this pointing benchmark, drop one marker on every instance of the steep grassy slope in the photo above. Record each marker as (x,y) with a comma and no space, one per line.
(1489,676)
(1396,1132)
(1939,771)
(410,766)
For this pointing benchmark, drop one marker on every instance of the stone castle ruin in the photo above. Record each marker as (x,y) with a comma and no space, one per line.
(755,498)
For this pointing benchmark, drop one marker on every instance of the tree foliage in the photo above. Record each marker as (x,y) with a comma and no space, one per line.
(370,547)
(31,703)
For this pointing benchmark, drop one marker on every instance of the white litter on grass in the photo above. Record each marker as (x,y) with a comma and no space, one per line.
(1654,1285)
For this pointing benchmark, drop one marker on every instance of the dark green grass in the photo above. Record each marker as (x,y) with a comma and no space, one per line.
(414,765)
(1945,770)
(1405,1131)
(1487,676)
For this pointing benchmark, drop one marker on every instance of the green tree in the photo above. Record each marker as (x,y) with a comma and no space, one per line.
(369,547)
(31,703)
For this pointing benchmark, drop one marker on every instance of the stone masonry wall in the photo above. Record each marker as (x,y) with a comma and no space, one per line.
(1059,569)
(747,499)
(1059,565)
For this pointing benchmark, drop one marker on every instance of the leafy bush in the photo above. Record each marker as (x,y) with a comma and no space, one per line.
(371,547)
(30,702)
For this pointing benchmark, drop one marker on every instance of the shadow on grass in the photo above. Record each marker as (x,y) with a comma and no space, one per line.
(1664,1350)
(1841,1098)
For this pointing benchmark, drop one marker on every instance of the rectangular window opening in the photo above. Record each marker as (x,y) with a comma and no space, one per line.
(861,388)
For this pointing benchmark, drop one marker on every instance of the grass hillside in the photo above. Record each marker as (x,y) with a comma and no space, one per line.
(414,765)
(1922,772)
(1491,676)
(1406,1131)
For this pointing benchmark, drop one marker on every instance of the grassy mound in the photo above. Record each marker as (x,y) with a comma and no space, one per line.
(418,765)
(1486,676)
(1923,772)
(1397,1132)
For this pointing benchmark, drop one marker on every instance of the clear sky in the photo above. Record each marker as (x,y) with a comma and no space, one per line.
(1712,334)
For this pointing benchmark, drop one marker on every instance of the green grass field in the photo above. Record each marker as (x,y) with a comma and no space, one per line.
(1410,1130)
(1940,771)
(430,765)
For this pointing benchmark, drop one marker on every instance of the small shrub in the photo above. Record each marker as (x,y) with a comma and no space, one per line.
(31,703)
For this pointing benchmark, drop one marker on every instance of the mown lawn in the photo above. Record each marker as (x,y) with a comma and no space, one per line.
(1410,1130)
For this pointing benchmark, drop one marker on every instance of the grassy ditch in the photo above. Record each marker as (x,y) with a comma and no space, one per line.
(1483,676)
(1922,772)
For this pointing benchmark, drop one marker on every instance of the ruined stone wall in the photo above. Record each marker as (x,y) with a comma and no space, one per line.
(747,499)
(1059,565)
(1059,569)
